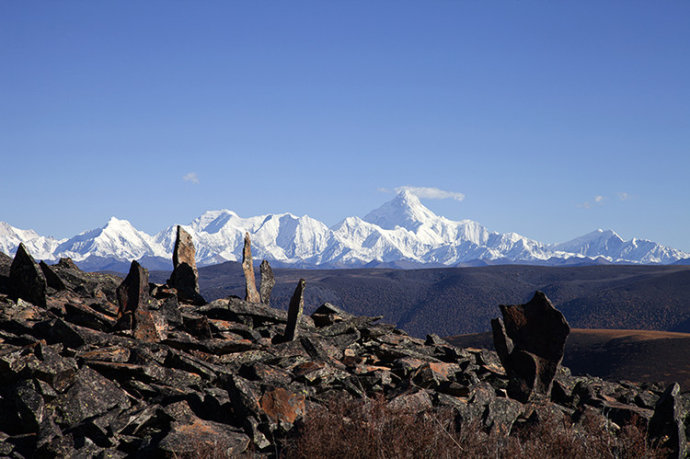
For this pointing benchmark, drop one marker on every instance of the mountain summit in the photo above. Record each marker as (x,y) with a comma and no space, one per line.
(405,211)
(402,232)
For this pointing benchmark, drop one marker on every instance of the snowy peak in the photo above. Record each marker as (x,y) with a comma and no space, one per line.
(405,210)
(117,239)
(402,229)
(39,247)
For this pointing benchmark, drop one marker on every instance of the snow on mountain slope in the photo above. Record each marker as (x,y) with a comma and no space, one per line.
(609,245)
(219,236)
(401,230)
(39,247)
(117,239)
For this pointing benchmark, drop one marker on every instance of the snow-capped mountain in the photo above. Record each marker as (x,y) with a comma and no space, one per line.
(609,245)
(39,246)
(117,239)
(402,230)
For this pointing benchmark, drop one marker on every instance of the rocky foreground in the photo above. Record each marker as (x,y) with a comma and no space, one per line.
(94,366)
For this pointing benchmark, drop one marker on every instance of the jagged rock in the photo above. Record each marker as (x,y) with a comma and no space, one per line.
(94,285)
(185,277)
(295,311)
(133,300)
(26,279)
(666,427)
(267,282)
(52,279)
(530,342)
(251,294)
(133,293)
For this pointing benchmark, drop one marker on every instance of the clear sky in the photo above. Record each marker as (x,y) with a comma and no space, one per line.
(551,118)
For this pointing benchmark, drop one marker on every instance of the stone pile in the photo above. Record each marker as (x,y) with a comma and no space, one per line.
(108,368)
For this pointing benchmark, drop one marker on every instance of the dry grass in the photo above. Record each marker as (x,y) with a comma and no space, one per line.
(370,429)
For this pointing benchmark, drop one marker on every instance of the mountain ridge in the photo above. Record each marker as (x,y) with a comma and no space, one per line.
(401,232)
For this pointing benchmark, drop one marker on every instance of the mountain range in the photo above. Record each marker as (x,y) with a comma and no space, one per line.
(402,233)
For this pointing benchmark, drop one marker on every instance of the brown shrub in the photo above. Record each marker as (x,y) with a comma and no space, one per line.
(347,428)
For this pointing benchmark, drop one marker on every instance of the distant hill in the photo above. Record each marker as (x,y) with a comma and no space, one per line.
(452,301)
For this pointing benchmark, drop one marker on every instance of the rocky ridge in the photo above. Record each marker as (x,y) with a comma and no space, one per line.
(111,368)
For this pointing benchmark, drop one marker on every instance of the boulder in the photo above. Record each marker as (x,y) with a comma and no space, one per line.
(251,294)
(26,278)
(530,341)
(295,311)
(267,282)
(185,277)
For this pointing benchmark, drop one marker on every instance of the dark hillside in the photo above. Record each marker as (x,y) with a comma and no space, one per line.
(451,301)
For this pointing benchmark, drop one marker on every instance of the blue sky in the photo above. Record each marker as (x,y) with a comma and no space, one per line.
(551,118)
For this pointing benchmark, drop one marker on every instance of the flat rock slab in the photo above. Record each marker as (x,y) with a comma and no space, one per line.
(201,438)
(90,394)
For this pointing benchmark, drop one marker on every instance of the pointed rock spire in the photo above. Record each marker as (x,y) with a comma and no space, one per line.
(185,277)
(26,278)
(267,282)
(295,311)
(133,299)
(251,294)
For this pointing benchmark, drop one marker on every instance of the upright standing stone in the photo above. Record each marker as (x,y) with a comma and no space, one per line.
(530,345)
(133,292)
(26,278)
(267,282)
(295,311)
(185,277)
(251,294)
(133,299)
(666,428)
